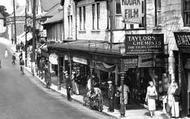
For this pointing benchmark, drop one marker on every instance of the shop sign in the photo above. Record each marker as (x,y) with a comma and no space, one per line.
(151,60)
(132,11)
(80,60)
(182,39)
(53,58)
(144,43)
(146,61)
(130,62)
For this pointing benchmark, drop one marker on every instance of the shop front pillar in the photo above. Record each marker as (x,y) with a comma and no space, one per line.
(122,105)
(68,80)
(59,73)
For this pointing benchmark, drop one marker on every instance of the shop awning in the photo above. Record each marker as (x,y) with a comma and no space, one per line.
(89,46)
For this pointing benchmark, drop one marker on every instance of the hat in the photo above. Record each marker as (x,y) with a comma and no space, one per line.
(109,81)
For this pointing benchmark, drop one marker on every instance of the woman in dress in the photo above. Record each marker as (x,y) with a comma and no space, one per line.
(151,98)
(6,53)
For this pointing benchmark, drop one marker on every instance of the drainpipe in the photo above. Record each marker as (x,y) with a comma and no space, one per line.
(76,21)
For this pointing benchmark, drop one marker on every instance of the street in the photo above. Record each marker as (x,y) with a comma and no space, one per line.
(20,98)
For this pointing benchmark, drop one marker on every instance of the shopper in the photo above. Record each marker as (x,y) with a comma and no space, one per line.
(151,96)
(111,96)
(175,105)
(125,94)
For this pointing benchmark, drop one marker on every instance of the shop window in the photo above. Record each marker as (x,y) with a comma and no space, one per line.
(186,12)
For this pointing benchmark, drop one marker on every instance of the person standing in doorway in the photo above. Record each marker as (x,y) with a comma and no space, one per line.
(151,96)
(111,96)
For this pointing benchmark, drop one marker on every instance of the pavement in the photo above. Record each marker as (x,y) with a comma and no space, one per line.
(130,114)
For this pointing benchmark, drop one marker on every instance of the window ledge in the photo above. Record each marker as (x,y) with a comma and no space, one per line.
(82,31)
(95,31)
(157,28)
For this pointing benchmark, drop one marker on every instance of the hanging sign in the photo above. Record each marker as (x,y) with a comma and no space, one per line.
(80,60)
(146,61)
(130,62)
(132,11)
(144,43)
(53,58)
(182,39)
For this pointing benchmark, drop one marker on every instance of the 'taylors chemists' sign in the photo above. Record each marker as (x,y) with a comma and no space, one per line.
(144,43)
(132,11)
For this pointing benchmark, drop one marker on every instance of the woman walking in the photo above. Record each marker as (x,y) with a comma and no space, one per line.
(6,53)
(151,96)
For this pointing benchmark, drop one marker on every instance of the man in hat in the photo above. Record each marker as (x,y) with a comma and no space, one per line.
(111,96)
(68,85)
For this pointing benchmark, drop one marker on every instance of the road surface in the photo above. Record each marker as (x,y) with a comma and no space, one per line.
(21,97)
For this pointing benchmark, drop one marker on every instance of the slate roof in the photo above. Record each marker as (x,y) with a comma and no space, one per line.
(56,18)
(46,4)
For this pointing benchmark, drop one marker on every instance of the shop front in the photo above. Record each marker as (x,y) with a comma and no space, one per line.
(182,59)
(144,62)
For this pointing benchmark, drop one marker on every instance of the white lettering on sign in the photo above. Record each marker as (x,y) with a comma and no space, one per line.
(132,11)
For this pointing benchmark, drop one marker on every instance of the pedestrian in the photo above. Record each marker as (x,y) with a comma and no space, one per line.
(6,53)
(151,96)
(174,97)
(22,66)
(125,94)
(13,58)
(20,56)
(68,85)
(170,98)
(111,96)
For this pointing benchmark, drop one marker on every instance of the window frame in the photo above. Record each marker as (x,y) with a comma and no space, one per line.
(98,15)
(93,16)
(185,12)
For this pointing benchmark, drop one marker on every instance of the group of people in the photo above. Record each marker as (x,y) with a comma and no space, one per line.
(170,101)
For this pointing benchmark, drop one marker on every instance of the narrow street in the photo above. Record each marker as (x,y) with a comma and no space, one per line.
(20,98)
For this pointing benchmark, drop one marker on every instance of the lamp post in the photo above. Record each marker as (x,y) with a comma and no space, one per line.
(25,26)
(122,72)
(34,36)
(14,22)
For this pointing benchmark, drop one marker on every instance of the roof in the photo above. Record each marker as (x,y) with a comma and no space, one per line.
(46,4)
(89,46)
(56,18)
(1,16)
(54,10)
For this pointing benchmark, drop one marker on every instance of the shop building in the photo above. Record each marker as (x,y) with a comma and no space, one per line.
(97,42)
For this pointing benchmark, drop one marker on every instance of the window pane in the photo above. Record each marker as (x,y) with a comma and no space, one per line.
(187,18)
(187,5)
(84,16)
(93,15)
(80,16)
(98,14)
(118,7)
